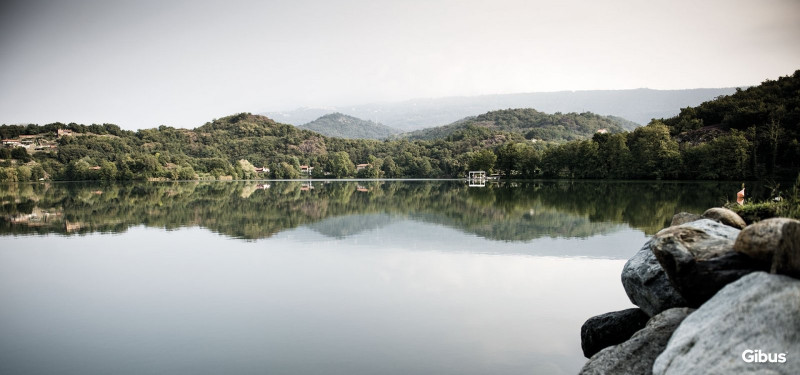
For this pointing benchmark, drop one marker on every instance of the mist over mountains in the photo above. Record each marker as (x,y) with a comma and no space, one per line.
(637,105)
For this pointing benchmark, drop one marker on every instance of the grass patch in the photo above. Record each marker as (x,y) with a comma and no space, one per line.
(788,205)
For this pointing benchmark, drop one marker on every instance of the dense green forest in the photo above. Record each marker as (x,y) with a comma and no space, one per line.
(344,126)
(511,211)
(751,134)
(231,147)
(534,125)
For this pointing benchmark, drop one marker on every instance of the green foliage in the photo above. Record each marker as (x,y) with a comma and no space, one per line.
(186,173)
(8,174)
(528,122)
(655,152)
(390,168)
(246,170)
(286,171)
(767,115)
(370,171)
(518,160)
(779,204)
(724,157)
(23,173)
(615,160)
(339,165)
(37,172)
(21,154)
(108,171)
(752,134)
(512,211)
(483,160)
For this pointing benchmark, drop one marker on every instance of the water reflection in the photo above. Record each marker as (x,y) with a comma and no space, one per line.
(342,277)
(187,301)
(517,211)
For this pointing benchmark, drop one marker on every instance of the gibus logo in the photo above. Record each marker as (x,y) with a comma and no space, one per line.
(758,356)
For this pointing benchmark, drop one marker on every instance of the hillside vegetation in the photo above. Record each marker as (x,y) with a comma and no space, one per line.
(230,147)
(751,134)
(344,126)
(532,124)
(766,116)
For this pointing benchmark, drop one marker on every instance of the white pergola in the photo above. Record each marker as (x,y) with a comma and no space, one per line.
(477,178)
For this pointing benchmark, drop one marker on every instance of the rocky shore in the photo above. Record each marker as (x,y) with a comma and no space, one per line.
(714,296)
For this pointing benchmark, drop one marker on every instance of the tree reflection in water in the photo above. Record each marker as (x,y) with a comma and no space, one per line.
(509,211)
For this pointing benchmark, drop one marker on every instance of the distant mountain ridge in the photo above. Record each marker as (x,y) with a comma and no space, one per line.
(637,105)
(532,124)
(343,126)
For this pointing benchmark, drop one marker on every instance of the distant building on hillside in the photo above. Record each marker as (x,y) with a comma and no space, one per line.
(361,166)
(12,143)
(28,139)
(602,131)
(306,169)
(63,132)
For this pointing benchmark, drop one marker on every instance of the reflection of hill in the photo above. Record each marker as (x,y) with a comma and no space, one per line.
(536,223)
(345,226)
(509,212)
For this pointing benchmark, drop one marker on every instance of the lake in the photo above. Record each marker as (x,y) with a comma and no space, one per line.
(322,277)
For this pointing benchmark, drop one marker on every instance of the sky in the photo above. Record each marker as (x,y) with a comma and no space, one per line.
(141,64)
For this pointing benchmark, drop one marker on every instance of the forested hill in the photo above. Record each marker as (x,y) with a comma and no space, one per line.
(532,124)
(751,134)
(232,147)
(344,126)
(767,116)
(775,101)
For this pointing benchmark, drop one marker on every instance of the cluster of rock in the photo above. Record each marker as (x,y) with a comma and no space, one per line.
(714,296)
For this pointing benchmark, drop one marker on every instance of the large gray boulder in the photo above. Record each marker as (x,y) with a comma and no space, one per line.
(773,241)
(759,312)
(699,259)
(725,216)
(647,285)
(636,356)
(602,331)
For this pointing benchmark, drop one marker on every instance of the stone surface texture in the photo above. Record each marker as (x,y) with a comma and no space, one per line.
(725,216)
(774,241)
(699,259)
(647,285)
(760,311)
(636,356)
(602,331)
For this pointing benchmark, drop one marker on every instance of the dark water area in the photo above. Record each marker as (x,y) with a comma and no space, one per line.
(322,277)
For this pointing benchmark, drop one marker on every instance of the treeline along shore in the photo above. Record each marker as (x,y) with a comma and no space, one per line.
(751,134)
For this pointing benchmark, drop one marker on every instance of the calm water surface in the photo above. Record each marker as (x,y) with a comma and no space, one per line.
(388,277)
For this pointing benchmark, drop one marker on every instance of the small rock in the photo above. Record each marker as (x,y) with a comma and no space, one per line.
(725,216)
(636,356)
(612,328)
(758,312)
(699,260)
(683,218)
(773,241)
(647,285)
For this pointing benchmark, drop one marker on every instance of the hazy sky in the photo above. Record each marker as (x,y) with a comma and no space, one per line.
(142,63)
